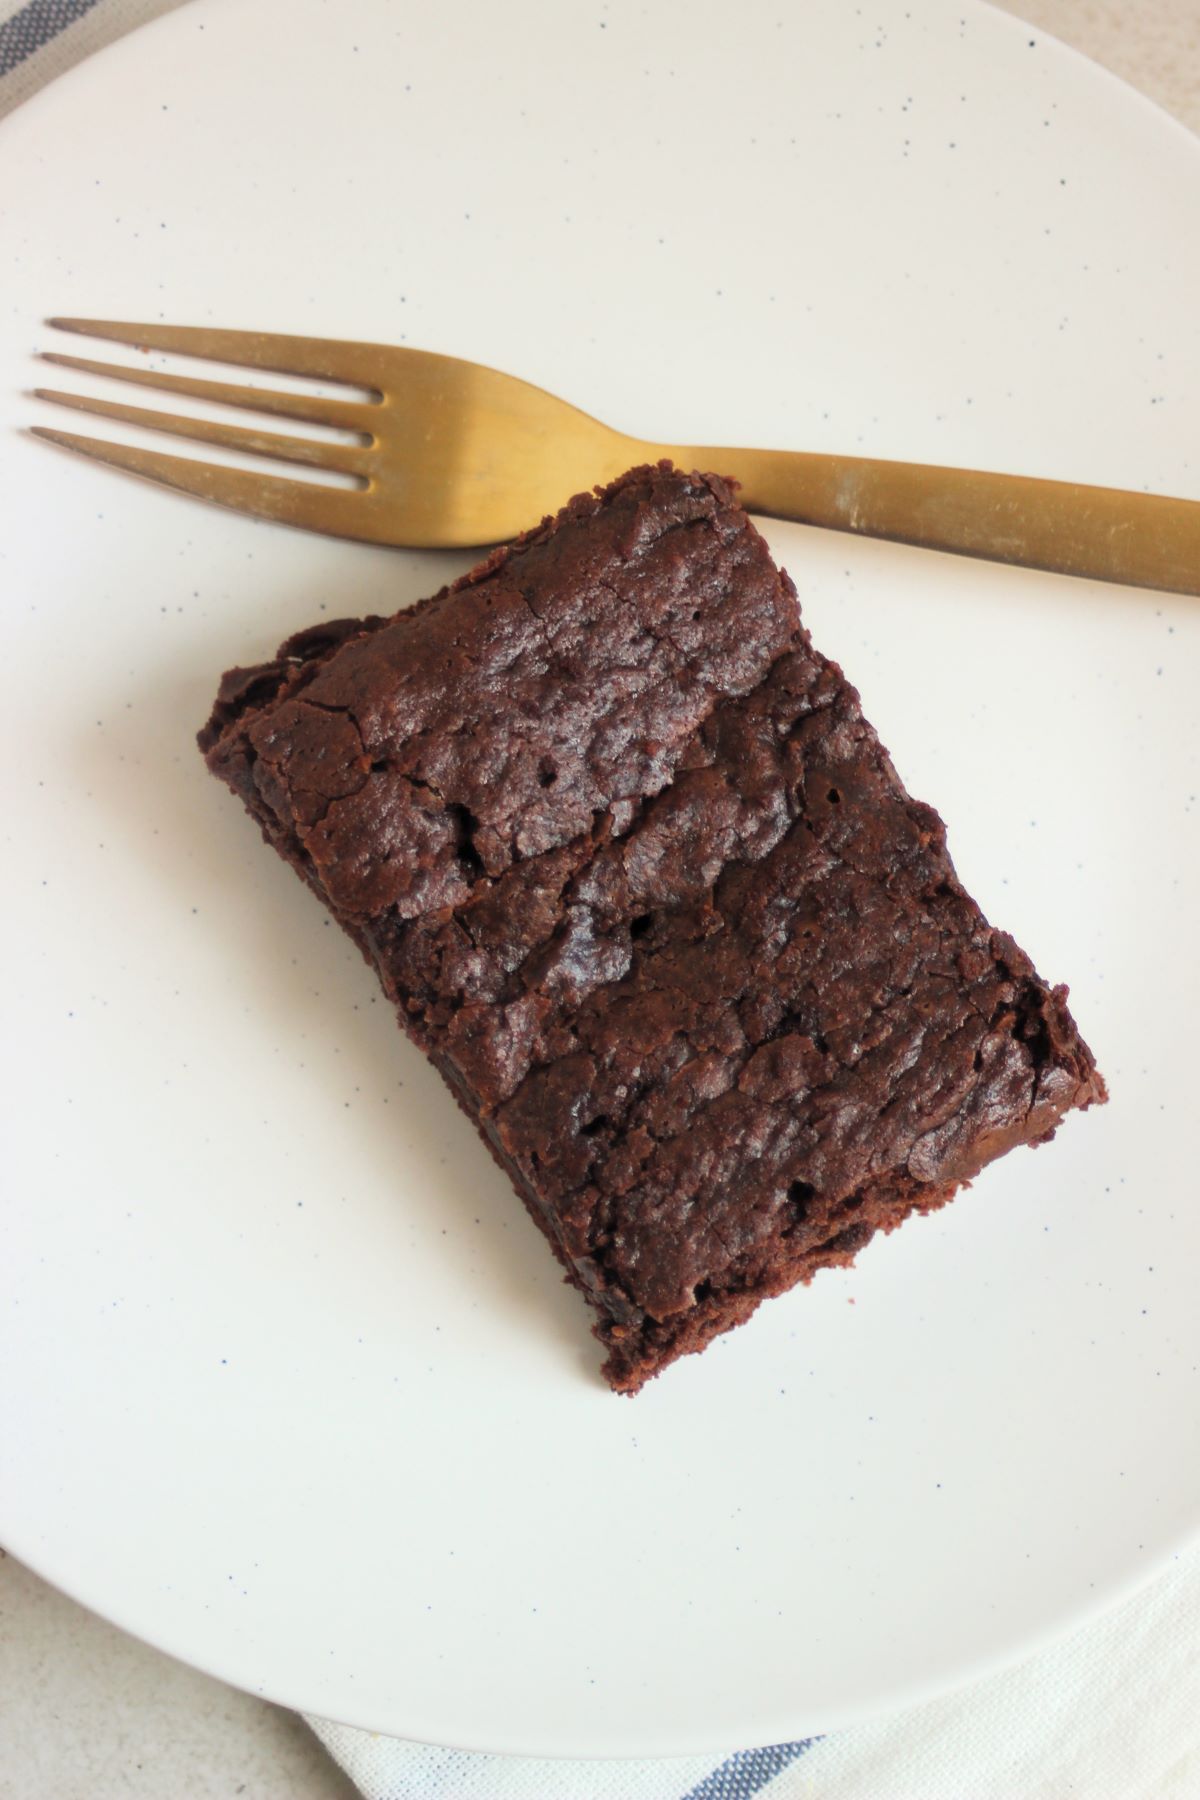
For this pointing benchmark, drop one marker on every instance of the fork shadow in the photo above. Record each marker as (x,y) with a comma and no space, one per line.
(185,834)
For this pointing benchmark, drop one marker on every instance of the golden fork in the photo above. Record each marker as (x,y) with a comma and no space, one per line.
(450,453)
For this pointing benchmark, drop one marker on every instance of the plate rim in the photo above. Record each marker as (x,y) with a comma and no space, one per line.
(1025,1645)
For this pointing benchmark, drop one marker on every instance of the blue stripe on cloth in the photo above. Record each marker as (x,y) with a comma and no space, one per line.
(747,1772)
(34,25)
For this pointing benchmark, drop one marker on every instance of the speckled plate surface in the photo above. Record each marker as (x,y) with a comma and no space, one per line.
(288,1384)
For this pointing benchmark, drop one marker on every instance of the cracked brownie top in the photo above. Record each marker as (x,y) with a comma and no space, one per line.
(643,880)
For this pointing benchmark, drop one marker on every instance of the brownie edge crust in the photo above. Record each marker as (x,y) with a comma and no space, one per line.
(642,881)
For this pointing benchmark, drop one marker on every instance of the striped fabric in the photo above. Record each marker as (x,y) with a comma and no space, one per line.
(386,1769)
(747,1772)
(33,25)
(42,38)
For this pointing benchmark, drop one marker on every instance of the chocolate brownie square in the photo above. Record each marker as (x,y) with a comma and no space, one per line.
(643,882)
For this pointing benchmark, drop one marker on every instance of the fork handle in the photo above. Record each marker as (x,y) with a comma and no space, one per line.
(1107,534)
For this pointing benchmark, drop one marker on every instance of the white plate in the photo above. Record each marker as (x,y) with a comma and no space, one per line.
(288,1384)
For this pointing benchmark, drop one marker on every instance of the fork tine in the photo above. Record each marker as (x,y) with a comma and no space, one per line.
(346,415)
(339,511)
(351,459)
(323,359)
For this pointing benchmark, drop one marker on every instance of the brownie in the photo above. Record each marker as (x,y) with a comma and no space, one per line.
(642,881)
